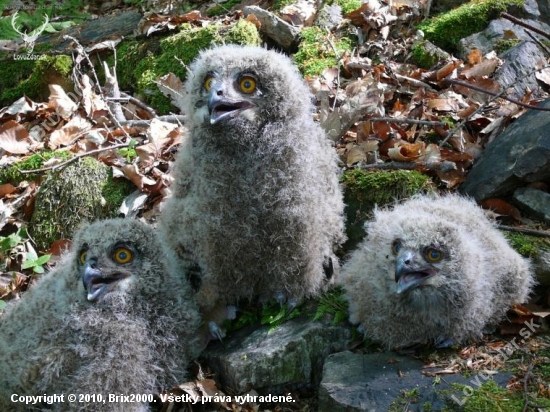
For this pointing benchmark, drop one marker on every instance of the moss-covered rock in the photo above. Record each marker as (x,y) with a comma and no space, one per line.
(32,77)
(316,54)
(365,189)
(83,191)
(140,66)
(13,173)
(448,28)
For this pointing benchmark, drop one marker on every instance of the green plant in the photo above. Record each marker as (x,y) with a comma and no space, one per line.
(275,315)
(35,262)
(334,304)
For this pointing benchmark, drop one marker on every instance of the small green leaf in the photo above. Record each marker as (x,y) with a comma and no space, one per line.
(38,269)
(2,304)
(43,259)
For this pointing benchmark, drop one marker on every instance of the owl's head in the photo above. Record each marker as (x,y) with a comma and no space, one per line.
(421,253)
(233,86)
(115,257)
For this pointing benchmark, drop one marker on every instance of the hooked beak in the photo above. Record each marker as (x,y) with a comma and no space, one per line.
(409,274)
(96,282)
(221,108)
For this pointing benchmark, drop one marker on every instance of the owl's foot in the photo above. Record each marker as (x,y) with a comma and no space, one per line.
(291,303)
(442,342)
(231,312)
(216,331)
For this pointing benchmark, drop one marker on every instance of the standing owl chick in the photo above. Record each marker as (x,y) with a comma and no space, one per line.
(433,270)
(115,316)
(256,201)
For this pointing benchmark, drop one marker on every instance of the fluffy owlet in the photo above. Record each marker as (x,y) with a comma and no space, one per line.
(115,316)
(433,270)
(256,201)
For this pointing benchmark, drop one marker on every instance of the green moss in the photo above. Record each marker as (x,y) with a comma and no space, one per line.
(365,189)
(278,5)
(505,44)
(488,397)
(315,53)
(525,245)
(13,175)
(404,399)
(115,191)
(243,32)
(32,77)
(69,197)
(448,28)
(347,5)
(423,57)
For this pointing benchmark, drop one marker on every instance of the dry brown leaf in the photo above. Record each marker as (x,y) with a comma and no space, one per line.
(59,100)
(407,152)
(356,154)
(485,68)
(7,189)
(474,57)
(14,138)
(501,207)
(69,132)
(133,174)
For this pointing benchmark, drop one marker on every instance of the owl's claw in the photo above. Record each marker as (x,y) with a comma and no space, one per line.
(442,342)
(216,332)
(291,303)
(231,312)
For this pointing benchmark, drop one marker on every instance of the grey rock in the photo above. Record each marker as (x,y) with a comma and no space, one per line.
(518,155)
(371,383)
(292,354)
(544,9)
(278,30)
(533,201)
(517,70)
(485,41)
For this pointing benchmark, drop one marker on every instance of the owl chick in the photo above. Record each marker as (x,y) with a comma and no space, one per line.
(115,316)
(256,201)
(433,270)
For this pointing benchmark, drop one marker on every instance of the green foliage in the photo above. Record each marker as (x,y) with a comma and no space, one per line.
(332,303)
(315,53)
(448,28)
(364,189)
(275,315)
(13,175)
(32,261)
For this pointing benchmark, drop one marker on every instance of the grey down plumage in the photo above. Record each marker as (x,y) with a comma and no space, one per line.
(433,270)
(256,200)
(116,315)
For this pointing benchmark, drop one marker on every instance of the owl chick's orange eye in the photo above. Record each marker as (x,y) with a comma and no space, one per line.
(123,255)
(396,247)
(83,256)
(247,84)
(208,83)
(433,255)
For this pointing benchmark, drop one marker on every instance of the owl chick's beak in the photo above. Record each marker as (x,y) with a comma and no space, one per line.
(221,108)
(96,282)
(410,274)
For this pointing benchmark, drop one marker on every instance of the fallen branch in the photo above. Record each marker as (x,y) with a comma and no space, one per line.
(73,159)
(527,231)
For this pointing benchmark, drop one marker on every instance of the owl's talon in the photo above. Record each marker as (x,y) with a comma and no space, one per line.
(216,332)
(442,342)
(231,312)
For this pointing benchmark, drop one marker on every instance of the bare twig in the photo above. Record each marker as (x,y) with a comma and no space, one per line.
(409,121)
(527,231)
(74,159)
(491,93)
(525,382)
(526,25)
